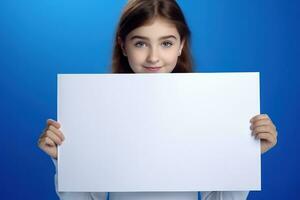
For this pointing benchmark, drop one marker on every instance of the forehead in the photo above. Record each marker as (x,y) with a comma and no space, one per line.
(156,29)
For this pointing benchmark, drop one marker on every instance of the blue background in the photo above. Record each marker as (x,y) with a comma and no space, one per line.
(41,38)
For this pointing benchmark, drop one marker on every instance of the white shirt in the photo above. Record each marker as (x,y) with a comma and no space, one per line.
(210,195)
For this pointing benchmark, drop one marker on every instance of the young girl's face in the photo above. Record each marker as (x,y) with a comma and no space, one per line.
(153,48)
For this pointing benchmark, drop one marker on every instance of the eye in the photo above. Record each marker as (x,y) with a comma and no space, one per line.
(140,44)
(166,44)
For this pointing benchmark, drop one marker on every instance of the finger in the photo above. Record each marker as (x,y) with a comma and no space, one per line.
(49,142)
(258,123)
(263,129)
(266,122)
(267,137)
(57,132)
(45,141)
(259,117)
(53,137)
(53,122)
(263,122)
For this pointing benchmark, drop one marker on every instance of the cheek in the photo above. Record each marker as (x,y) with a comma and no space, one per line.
(136,59)
(170,59)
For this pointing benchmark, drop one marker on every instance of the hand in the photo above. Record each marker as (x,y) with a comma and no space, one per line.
(263,128)
(50,138)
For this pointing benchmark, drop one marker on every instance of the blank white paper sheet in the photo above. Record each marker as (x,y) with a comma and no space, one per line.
(158,132)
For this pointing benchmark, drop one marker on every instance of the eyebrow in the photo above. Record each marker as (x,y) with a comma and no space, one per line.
(145,38)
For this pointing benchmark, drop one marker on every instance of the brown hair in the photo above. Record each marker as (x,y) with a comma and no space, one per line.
(140,12)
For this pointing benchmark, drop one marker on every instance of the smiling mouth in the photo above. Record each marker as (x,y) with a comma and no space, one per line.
(152,68)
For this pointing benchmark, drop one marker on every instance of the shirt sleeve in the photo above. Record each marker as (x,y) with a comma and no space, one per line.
(224,195)
(77,195)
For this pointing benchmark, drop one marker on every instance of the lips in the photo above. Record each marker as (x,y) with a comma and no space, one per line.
(152,68)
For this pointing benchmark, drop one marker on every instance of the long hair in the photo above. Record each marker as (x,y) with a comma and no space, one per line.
(140,12)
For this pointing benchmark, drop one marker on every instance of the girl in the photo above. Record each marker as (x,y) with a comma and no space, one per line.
(153,37)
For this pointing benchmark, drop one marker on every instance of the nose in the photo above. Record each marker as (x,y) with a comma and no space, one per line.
(153,56)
